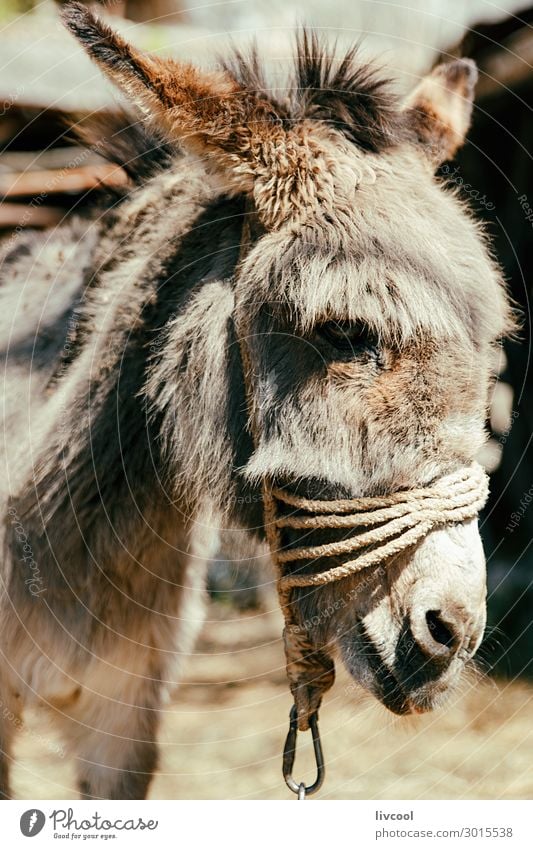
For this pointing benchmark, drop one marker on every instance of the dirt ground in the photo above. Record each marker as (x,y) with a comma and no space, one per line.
(223,735)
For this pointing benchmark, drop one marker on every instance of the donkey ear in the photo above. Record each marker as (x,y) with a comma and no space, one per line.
(440,108)
(206,111)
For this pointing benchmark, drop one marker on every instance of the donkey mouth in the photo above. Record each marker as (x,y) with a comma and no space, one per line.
(385,685)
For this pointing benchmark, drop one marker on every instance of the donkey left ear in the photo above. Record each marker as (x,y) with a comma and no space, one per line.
(440,108)
(208,112)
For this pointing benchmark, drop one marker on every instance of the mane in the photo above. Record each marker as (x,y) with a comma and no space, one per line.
(341,91)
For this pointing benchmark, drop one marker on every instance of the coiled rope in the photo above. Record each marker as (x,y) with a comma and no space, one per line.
(389,525)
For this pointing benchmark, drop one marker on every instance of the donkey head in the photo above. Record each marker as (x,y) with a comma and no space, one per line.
(367,309)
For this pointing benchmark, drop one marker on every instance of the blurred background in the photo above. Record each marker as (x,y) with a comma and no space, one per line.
(231,710)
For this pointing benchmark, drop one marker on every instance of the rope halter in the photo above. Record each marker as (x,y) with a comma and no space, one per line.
(385,525)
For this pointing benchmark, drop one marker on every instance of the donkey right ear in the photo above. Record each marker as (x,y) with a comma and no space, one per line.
(440,109)
(208,112)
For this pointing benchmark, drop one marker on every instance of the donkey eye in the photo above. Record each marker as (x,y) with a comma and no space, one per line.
(349,337)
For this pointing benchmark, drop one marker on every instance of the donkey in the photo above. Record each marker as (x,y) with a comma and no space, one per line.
(374,311)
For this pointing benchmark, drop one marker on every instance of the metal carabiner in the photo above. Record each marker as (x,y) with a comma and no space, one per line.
(289,754)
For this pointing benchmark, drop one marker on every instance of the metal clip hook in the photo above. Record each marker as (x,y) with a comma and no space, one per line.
(289,754)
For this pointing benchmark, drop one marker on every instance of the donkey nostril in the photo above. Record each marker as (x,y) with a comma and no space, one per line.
(439,630)
(448,631)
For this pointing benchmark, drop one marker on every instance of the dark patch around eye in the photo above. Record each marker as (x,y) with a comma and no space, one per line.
(350,338)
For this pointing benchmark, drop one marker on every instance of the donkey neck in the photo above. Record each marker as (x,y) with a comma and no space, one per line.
(148,404)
